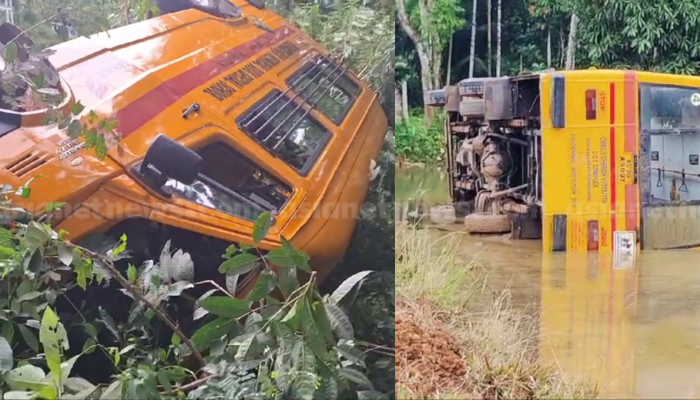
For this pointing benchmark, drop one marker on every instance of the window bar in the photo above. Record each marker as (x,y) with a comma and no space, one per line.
(297,94)
(281,95)
(299,105)
(308,110)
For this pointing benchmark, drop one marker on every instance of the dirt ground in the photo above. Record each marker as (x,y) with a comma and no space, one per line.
(420,349)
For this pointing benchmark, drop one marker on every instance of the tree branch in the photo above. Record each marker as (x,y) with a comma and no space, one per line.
(153,307)
(406,24)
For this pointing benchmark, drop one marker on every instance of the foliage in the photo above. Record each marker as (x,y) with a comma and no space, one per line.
(637,34)
(54,21)
(344,30)
(416,143)
(258,347)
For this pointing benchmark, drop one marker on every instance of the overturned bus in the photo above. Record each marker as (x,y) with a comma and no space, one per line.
(222,114)
(584,160)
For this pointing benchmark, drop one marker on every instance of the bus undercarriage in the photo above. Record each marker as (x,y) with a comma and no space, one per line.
(494,157)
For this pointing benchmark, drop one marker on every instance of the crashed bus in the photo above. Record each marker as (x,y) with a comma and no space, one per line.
(224,111)
(586,160)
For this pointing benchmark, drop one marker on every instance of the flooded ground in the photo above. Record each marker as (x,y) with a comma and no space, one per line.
(636,332)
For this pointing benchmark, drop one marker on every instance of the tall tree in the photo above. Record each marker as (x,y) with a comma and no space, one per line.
(489,31)
(571,46)
(498,38)
(429,25)
(472,52)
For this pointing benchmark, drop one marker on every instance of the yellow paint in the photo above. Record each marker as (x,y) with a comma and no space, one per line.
(578,160)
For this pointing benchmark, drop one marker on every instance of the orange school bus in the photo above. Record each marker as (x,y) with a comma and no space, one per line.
(580,159)
(222,114)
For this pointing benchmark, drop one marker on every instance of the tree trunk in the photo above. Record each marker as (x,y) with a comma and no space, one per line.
(424,55)
(549,47)
(489,31)
(448,80)
(498,39)
(571,47)
(398,106)
(404,99)
(473,41)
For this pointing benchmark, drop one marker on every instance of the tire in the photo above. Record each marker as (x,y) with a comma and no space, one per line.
(487,223)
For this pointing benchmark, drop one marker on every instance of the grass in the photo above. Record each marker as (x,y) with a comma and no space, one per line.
(457,340)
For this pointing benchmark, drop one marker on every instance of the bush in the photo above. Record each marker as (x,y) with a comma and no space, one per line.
(416,143)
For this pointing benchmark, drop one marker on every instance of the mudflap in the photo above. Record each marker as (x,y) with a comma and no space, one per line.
(526,227)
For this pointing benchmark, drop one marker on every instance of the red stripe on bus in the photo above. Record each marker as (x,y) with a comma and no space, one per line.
(631,146)
(613,164)
(142,110)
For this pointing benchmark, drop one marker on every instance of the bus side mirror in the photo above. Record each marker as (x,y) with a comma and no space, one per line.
(171,160)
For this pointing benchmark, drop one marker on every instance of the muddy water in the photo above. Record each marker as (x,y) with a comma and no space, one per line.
(636,332)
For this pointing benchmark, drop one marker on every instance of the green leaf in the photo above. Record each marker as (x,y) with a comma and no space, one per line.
(164,379)
(77,385)
(54,206)
(262,227)
(280,258)
(8,331)
(340,323)
(26,377)
(323,324)
(312,332)
(239,264)
(108,322)
(345,294)
(263,287)
(6,357)
(74,129)
(225,306)
(29,296)
(90,329)
(113,391)
(132,273)
(301,259)
(29,338)
(328,389)
(77,108)
(11,51)
(212,332)
(36,235)
(356,377)
(25,192)
(245,343)
(53,337)
(89,345)
(370,395)
(288,281)
(18,395)
(65,254)
(293,316)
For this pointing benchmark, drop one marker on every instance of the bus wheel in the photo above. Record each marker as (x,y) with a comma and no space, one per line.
(487,223)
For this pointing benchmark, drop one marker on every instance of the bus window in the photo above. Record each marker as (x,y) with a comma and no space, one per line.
(233,184)
(286,130)
(666,107)
(325,85)
(670,117)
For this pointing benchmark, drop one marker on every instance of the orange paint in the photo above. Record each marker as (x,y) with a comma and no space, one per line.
(145,75)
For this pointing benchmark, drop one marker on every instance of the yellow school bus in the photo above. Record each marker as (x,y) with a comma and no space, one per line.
(224,111)
(579,159)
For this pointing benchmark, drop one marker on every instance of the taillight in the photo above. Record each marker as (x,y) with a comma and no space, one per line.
(591,104)
(593,235)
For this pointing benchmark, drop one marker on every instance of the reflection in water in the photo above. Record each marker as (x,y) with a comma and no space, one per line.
(635,332)
(429,182)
